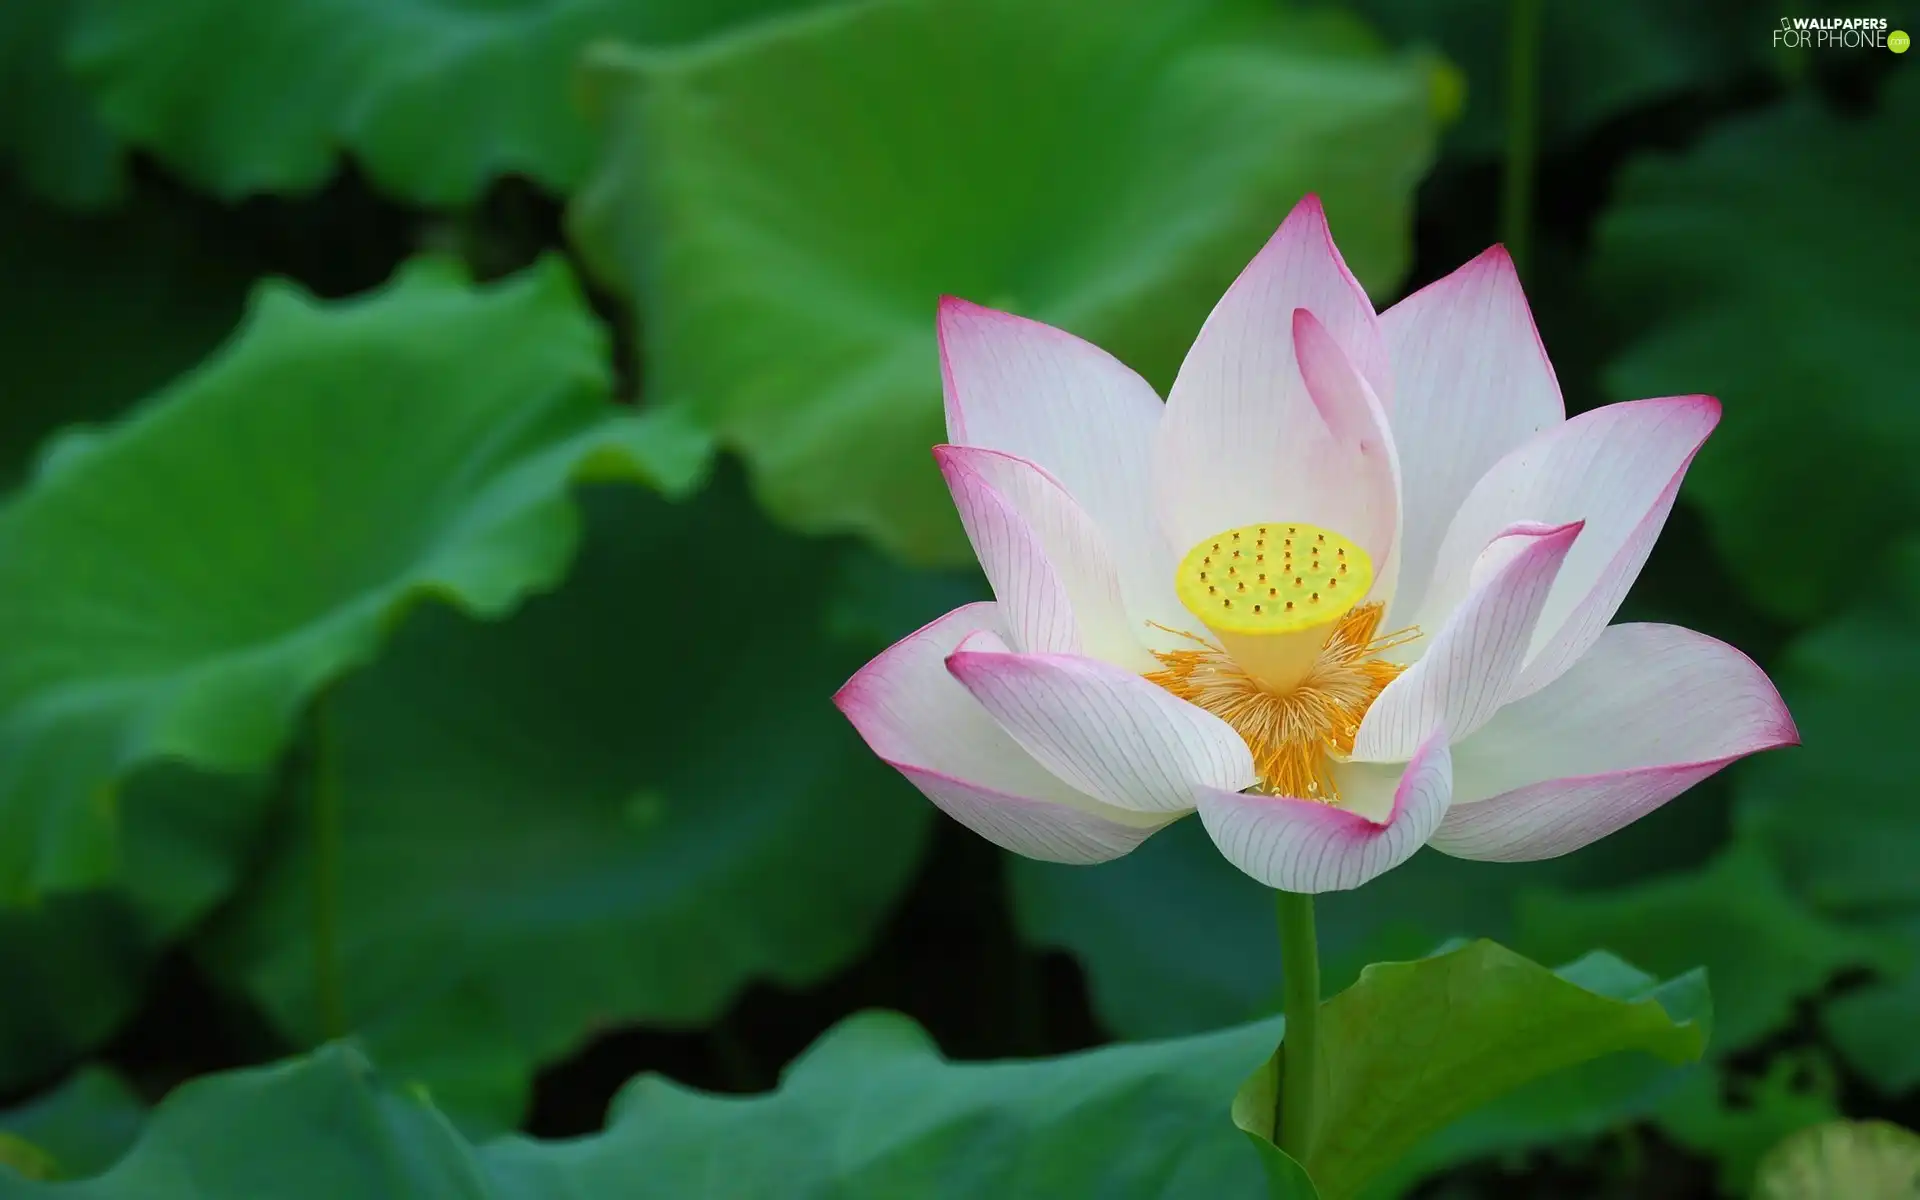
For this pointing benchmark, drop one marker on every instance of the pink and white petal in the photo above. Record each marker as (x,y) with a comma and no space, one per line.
(1587,619)
(1066,536)
(1650,711)
(1106,731)
(1027,389)
(1035,606)
(1616,468)
(1364,470)
(1239,424)
(1471,382)
(1039,829)
(1305,846)
(914,716)
(1467,672)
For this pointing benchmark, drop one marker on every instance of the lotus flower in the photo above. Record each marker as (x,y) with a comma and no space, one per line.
(1345,593)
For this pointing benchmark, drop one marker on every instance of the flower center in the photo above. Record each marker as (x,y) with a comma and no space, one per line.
(1298,663)
(1273,595)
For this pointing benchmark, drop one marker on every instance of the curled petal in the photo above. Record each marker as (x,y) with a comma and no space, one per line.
(1076,551)
(1471,382)
(1080,414)
(1034,601)
(917,719)
(1037,829)
(1650,711)
(1469,669)
(1240,427)
(1617,469)
(1358,474)
(1305,846)
(1105,730)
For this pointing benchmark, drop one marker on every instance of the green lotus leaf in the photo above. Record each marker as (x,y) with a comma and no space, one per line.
(623,804)
(434,100)
(1763,947)
(788,205)
(177,587)
(80,1128)
(78,963)
(872,1110)
(1412,1047)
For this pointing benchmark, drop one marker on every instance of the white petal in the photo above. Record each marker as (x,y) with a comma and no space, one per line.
(1105,730)
(1241,433)
(1471,382)
(916,718)
(1363,469)
(1304,846)
(1617,469)
(1080,414)
(1469,669)
(1075,549)
(1647,713)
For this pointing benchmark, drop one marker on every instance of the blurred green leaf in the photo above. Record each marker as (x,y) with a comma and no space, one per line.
(1763,949)
(434,100)
(310,1129)
(47,123)
(1861,1160)
(1837,813)
(1562,1110)
(177,587)
(83,1126)
(1872,1027)
(97,311)
(623,804)
(1172,938)
(877,602)
(20,1157)
(77,962)
(1175,940)
(1772,266)
(871,1110)
(1597,61)
(1286,1179)
(787,207)
(1579,1104)
(1413,1046)
(1737,1130)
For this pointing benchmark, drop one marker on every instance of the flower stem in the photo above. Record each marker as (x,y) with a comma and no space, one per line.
(1523,104)
(1299,1046)
(324,797)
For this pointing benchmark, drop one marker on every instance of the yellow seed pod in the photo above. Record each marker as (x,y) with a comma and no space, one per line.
(1272,594)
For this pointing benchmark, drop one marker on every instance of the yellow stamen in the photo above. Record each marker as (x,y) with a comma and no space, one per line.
(1279,644)
(1296,736)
